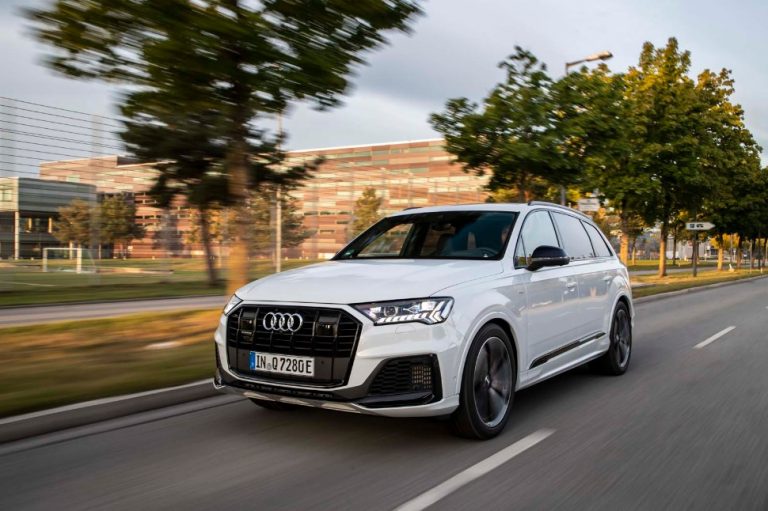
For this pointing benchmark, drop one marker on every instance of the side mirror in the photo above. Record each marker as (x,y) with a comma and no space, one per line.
(547,256)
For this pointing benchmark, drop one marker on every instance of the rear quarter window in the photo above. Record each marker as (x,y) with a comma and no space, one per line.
(576,241)
(598,242)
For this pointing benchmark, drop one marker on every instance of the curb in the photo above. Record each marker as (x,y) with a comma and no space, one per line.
(696,289)
(80,414)
(123,300)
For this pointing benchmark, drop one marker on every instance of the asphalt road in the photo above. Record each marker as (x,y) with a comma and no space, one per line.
(685,428)
(36,315)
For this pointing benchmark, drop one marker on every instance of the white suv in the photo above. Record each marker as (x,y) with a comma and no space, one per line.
(433,311)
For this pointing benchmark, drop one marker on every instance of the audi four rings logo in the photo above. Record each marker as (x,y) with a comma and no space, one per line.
(282,321)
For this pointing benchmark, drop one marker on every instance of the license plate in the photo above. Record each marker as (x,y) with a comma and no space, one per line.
(282,364)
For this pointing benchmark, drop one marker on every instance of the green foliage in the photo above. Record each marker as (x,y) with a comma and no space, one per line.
(202,76)
(75,223)
(514,134)
(366,212)
(260,212)
(117,216)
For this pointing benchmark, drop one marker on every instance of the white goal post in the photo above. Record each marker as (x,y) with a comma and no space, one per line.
(68,259)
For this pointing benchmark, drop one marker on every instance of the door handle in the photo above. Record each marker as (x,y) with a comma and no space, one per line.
(570,285)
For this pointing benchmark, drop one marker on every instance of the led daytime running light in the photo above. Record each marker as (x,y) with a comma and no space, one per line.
(429,311)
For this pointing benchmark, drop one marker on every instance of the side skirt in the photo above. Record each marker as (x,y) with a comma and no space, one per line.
(564,349)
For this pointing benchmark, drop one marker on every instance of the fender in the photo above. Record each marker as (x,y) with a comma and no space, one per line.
(623,291)
(491,311)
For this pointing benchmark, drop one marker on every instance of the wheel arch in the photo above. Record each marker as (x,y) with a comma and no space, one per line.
(503,323)
(627,301)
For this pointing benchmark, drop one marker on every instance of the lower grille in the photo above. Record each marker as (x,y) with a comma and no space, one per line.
(327,335)
(405,375)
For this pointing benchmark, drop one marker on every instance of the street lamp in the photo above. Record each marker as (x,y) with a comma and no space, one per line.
(603,55)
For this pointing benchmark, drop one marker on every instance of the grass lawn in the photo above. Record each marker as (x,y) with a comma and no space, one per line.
(25,284)
(653,264)
(646,285)
(52,365)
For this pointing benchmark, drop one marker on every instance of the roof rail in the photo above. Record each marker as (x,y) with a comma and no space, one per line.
(559,206)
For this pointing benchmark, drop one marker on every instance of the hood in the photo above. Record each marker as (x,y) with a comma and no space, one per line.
(359,281)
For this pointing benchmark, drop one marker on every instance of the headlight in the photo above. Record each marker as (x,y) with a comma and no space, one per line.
(424,310)
(232,303)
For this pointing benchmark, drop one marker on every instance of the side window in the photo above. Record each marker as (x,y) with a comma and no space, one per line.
(537,231)
(598,242)
(575,239)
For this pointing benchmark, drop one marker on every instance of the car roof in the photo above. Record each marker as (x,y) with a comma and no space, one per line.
(493,206)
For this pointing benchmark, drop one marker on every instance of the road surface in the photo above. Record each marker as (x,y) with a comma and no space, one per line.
(18,316)
(685,428)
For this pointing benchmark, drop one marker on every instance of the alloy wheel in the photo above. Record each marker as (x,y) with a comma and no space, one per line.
(492,381)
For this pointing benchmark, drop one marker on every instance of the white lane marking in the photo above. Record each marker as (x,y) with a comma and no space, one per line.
(715,337)
(444,489)
(31,284)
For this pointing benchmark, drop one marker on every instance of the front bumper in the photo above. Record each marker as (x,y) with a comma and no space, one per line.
(436,345)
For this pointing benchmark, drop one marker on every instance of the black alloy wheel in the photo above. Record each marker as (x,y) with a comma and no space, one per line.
(488,385)
(615,361)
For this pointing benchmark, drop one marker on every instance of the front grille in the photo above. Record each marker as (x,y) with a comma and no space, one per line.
(328,335)
(405,375)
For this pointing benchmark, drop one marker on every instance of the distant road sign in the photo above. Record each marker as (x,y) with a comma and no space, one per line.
(589,204)
(699,226)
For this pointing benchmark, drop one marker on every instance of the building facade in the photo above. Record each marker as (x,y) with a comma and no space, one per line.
(166,230)
(403,174)
(28,209)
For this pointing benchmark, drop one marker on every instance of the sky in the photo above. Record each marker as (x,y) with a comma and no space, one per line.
(453,52)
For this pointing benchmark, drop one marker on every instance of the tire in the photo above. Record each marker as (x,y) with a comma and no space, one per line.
(615,361)
(487,389)
(274,405)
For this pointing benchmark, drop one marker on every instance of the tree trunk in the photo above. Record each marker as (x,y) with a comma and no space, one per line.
(624,241)
(213,279)
(238,186)
(738,253)
(720,251)
(521,186)
(674,247)
(663,249)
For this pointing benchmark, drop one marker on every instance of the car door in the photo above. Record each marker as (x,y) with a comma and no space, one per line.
(549,291)
(589,272)
(598,283)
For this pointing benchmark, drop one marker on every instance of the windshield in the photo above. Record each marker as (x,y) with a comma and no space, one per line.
(443,235)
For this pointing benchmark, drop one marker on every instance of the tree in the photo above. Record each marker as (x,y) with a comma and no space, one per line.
(675,150)
(227,63)
(261,211)
(513,134)
(739,191)
(118,222)
(75,223)
(366,212)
